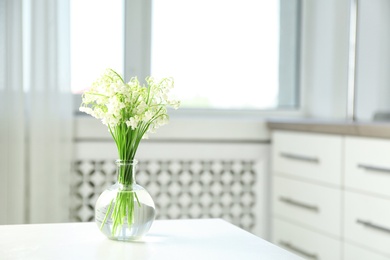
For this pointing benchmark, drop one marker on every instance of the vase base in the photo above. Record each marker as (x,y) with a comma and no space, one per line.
(128,239)
(143,217)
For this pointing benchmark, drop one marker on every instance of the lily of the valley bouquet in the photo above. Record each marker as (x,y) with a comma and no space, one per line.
(130,110)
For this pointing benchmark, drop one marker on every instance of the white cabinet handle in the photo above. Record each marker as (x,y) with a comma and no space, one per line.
(299,157)
(372,225)
(297,249)
(373,168)
(299,204)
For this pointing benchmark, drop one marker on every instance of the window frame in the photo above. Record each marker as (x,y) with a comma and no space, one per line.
(137,62)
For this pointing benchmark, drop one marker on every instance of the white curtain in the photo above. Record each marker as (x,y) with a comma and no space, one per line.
(35,111)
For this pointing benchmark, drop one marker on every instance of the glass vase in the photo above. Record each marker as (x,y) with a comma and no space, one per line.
(125,211)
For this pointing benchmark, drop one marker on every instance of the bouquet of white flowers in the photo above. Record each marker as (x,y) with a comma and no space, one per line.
(130,111)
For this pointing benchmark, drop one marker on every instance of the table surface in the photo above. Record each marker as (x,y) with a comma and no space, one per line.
(167,239)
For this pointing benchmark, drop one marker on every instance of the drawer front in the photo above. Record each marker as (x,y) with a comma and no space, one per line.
(352,252)
(305,242)
(367,221)
(311,156)
(309,204)
(367,165)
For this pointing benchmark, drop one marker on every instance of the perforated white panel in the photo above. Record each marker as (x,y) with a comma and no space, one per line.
(229,188)
(180,189)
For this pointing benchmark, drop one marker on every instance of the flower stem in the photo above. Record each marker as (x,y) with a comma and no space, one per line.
(106,216)
(124,202)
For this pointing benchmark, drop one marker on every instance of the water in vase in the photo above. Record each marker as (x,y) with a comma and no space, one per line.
(143,216)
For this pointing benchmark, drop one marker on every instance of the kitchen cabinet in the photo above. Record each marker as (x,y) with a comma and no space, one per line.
(331,192)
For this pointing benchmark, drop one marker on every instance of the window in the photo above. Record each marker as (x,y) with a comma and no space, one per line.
(96,40)
(227,54)
(223,54)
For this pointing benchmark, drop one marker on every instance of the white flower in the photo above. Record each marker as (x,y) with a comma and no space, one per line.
(130,110)
(141,107)
(87,110)
(132,122)
(148,116)
(174,103)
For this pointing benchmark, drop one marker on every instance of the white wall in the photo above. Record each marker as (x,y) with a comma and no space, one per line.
(325,58)
(373,57)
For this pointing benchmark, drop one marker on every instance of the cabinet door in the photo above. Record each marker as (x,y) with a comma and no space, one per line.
(304,242)
(367,165)
(311,205)
(309,156)
(367,221)
(352,252)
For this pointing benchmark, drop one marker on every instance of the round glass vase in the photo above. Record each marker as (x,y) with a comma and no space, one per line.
(125,211)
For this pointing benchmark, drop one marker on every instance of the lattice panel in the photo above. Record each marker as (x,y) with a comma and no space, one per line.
(180,189)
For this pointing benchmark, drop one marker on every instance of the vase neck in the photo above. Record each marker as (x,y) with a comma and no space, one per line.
(125,170)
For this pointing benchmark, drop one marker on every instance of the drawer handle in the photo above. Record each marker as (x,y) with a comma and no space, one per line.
(300,157)
(374,226)
(299,204)
(297,249)
(373,168)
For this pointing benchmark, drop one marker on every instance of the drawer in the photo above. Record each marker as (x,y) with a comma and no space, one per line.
(367,164)
(367,221)
(310,156)
(305,242)
(352,252)
(311,205)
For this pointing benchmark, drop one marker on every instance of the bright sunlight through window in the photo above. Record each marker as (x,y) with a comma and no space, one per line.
(221,53)
(96,40)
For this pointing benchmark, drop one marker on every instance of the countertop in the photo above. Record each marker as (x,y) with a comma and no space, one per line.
(364,129)
(168,239)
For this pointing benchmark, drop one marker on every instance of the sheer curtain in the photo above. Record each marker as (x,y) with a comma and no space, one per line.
(35,111)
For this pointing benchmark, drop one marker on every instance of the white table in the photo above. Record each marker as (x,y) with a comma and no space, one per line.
(167,239)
